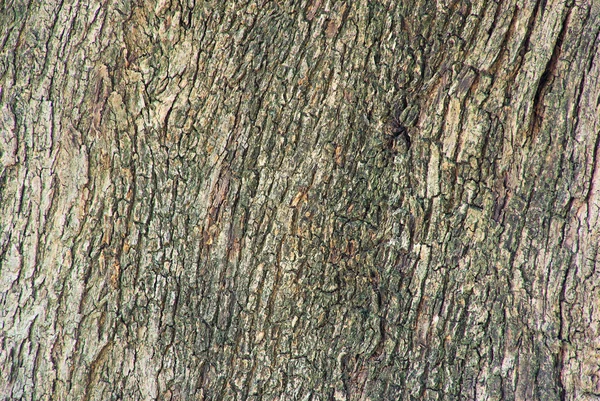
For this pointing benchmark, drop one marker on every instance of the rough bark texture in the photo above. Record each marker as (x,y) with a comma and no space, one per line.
(360,200)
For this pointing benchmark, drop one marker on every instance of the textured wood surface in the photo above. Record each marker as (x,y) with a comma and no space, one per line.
(322,200)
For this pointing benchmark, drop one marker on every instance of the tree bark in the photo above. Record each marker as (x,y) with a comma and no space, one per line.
(314,200)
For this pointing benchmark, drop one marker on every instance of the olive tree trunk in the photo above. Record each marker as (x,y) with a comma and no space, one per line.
(300,200)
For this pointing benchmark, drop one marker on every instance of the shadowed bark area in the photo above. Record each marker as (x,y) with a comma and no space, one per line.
(322,200)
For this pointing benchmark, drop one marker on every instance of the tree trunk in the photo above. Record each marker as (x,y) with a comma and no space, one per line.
(316,200)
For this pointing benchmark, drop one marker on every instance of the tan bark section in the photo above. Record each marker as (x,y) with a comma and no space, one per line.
(299,200)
